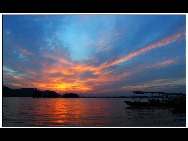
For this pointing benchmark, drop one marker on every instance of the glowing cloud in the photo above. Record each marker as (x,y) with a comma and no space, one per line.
(160,43)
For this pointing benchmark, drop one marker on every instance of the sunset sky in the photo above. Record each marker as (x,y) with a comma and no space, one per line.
(105,55)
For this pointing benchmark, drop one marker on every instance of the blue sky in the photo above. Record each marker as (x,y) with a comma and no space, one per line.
(95,54)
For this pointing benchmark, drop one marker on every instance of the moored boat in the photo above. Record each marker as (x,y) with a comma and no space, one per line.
(137,104)
(178,102)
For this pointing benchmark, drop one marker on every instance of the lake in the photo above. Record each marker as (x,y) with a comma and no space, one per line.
(84,112)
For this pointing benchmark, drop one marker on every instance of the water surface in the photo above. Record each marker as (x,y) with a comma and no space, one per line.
(84,112)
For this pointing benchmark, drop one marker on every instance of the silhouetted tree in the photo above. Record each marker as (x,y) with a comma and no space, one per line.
(70,95)
(44,94)
(36,93)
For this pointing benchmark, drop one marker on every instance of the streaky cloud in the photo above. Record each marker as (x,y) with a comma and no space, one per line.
(160,43)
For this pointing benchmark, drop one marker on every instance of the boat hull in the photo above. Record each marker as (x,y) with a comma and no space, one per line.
(144,104)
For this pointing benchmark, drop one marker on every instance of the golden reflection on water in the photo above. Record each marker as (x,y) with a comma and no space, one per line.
(69,112)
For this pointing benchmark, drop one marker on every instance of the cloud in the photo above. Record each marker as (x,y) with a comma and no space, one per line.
(25,51)
(63,77)
(160,43)
(159,84)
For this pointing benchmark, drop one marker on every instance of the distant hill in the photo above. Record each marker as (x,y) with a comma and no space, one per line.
(23,92)
(7,92)
(33,92)
(29,92)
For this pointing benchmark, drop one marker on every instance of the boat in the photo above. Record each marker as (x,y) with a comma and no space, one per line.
(137,104)
(178,102)
(150,103)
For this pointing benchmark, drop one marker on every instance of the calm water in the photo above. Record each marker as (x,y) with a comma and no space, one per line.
(84,112)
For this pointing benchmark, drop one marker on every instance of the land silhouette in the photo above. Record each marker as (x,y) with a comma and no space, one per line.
(35,93)
(70,95)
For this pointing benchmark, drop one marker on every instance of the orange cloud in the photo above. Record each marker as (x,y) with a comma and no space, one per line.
(63,83)
(29,71)
(17,85)
(103,77)
(25,51)
(59,59)
(68,77)
(162,42)
(60,86)
(164,63)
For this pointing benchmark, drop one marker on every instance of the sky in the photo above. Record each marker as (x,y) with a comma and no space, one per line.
(95,55)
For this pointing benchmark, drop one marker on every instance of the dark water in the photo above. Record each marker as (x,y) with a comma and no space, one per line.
(84,112)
